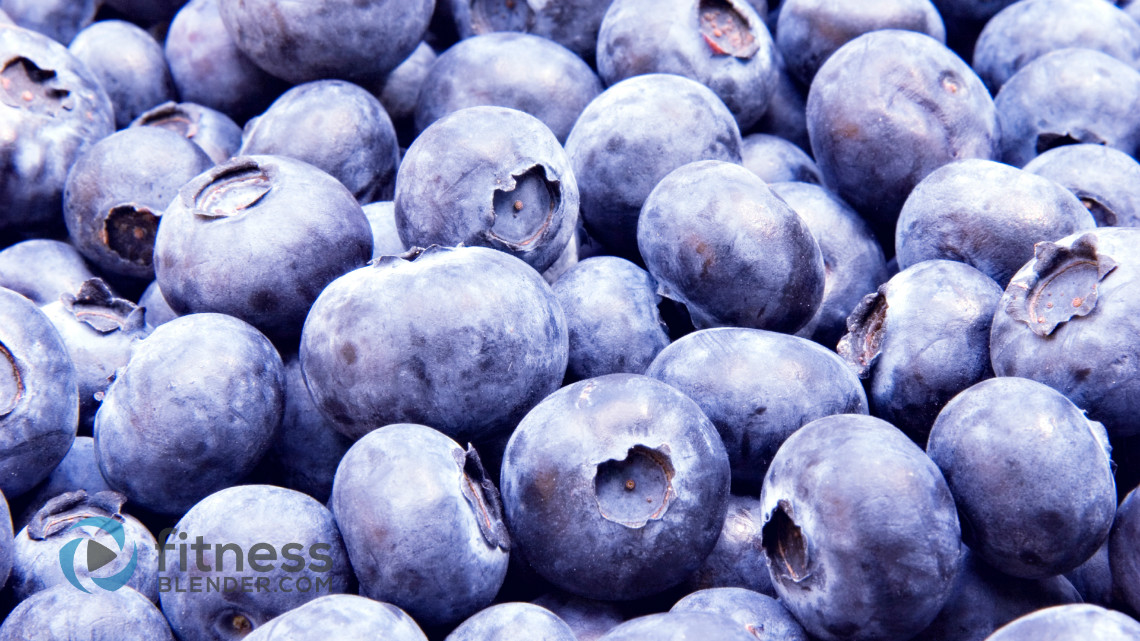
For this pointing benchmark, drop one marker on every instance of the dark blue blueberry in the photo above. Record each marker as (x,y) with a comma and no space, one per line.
(7,541)
(1030,474)
(513,621)
(757,613)
(277,540)
(573,24)
(385,237)
(59,20)
(611,313)
(287,228)
(615,487)
(423,340)
(775,159)
(130,65)
(63,612)
(717,239)
(565,261)
(193,412)
(515,70)
(146,11)
(43,270)
(920,339)
(77,471)
(860,531)
(488,177)
(118,190)
(736,561)
(888,108)
(679,626)
(1069,319)
(853,263)
(158,311)
(786,116)
(400,91)
(758,387)
(39,398)
(211,130)
(1075,622)
(1068,97)
(965,19)
(1124,551)
(1024,31)
(350,617)
(335,126)
(1106,180)
(1093,578)
(411,502)
(589,619)
(634,133)
(985,214)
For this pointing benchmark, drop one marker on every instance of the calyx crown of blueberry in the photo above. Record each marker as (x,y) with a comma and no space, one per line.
(1062,284)
(97,306)
(63,511)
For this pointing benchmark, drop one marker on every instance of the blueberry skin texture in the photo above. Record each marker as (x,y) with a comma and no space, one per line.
(1106,180)
(722,45)
(77,471)
(130,65)
(212,130)
(400,91)
(445,529)
(209,69)
(853,262)
(717,239)
(1093,578)
(679,626)
(809,31)
(488,177)
(59,20)
(335,126)
(1025,31)
(758,387)
(491,349)
(775,159)
(757,613)
(869,559)
(573,24)
(634,133)
(984,599)
(985,214)
(291,40)
(193,412)
(611,313)
(888,108)
(507,621)
(1070,623)
(921,338)
(514,70)
(287,227)
(42,269)
(621,470)
(736,561)
(1122,550)
(157,309)
(50,132)
(1030,474)
(786,116)
(1064,97)
(589,619)
(117,192)
(1087,352)
(63,612)
(385,237)
(273,516)
(355,618)
(39,397)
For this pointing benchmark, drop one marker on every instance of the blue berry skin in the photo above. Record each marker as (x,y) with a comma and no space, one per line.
(573,24)
(987,215)
(77,471)
(7,540)
(39,397)
(43,270)
(717,239)
(445,528)
(679,626)
(888,108)
(1024,31)
(615,487)
(130,65)
(1070,623)
(786,116)
(1030,474)
(287,228)
(306,545)
(212,130)
(1122,550)
(757,613)
(59,20)
(757,388)
(1093,578)
(335,126)
(400,91)
(589,619)
(722,44)
(192,413)
(1065,97)
(355,618)
(514,70)
(385,237)
(611,313)
(157,309)
(874,559)
(420,340)
(49,132)
(1069,319)
(634,133)
(509,621)
(921,338)
(853,263)
(736,561)
(488,177)
(1106,180)
(775,159)
(122,615)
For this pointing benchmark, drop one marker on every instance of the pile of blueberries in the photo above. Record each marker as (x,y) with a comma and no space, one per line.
(569,320)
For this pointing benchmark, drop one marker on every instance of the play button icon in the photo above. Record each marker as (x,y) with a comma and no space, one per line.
(98,555)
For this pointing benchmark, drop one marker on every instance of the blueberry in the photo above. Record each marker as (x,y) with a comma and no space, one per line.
(786,116)
(589,619)
(146,11)
(59,20)
(873,559)
(1122,550)
(964,21)
(566,260)
(489,177)
(775,159)
(509,621)
(63,612)
(194,410)
(1093,578)
(717,239)
(573,24)
(921,338)
(354,618)
(445,529)
(679,626)
(130,65)
(1070,623)
(1106,180)
(400,91)
(7,541)
(757,613)
(158,311)
(77,471)
(385,237)
(43,270)
(736,561)
(615,487)
(211,130)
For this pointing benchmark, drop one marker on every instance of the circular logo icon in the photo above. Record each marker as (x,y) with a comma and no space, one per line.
(98,555)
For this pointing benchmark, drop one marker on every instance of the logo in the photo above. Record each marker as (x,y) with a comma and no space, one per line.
(98,555)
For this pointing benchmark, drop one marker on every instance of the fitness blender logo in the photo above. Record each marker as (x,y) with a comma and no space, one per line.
(98,555)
